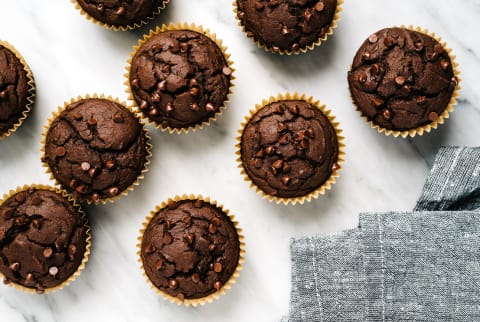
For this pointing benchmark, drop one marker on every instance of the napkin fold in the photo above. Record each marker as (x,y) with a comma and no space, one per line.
(397,266)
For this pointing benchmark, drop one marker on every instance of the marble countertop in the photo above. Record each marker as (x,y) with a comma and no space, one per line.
(71,56)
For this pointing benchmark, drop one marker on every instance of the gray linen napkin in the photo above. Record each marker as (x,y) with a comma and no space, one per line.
(399,266)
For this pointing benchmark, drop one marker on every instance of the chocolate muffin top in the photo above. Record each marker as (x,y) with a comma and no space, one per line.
(96,148)
(286,25)
(179,78)
(190,249)
(121,13)
(401,79)
(289,148)
(14,89)
(43,238)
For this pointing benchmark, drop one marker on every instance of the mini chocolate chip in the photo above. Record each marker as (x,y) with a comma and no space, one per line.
(60,151)
(284,139)
(286,168)
(212,247)
(39,289)
(184,47)
(375,69)
(217,285)
(194,107)
(195,278)
(173,284)
(193,82)
(293,109)
(444,64)
(187,220)
(159,264)
(227,71)
(96,197)
(454,81)
(259,154)
(419,45)
(335,166)
(143,105)
(162,85)
(387,114)
(36,224)
(281,127)
(212,229)
(81,189)
(120,10)
(217,267)
(19,221)
(29,278)
(366,55)
(149,249)
(240,14)
(362,78)
(153,112)
(269,150)
(276,49)
(373,38)
(421,100)
(432,116)
(286,180)
(113,191)
(284,30)
(167,239)
(180,296)
(209,107)
(307,15)
(85,166)
(319,6)
(299,136)
(110,164)
(303,144)
(53,270)
(134,83)
(169,107)
(278,164)
(406,89)
(77,116)
(3,94)
(100,7)
(190,238)
(274,171)
(36,201)
(15,266)
(7,213)
(388,41)
(72,183)
(278,109)
(198,203)
(194,91)
(118,118)
(400,80)
(216,221)
(172,205)
(92,172)
(71,249)
(295,46)
(47,252)
(438,49)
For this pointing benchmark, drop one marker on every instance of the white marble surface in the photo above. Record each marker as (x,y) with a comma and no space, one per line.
(70,56)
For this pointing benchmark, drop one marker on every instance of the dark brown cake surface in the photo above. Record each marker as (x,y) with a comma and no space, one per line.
(190,249)
(120,13)
(286,25)
(43,239)
(401,79)
(179,78)
(13,89)
(96,148)
(289,148)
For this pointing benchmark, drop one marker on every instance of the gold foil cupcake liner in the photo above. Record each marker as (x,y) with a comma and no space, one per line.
(233,278)
(148,146)
(191,27)
(122,28)
(31,90)
(320,40)
(441,118)
(88,239)
(327,185)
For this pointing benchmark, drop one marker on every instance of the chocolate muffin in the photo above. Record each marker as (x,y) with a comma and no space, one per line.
(179,78)
(121,14)
(402,79)
(190,249)
(96,149)
(43,238)
(16,89)
(287,25)
(289,149)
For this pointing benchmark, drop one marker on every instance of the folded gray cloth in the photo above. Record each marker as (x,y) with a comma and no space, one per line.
(420,266)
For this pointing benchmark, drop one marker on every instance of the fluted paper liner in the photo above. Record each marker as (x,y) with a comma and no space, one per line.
(148,145)
(88,239)
(441,118)
(31,90)
(122,28)
(233,278)
(320,40)
(340,158)
(190,27)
